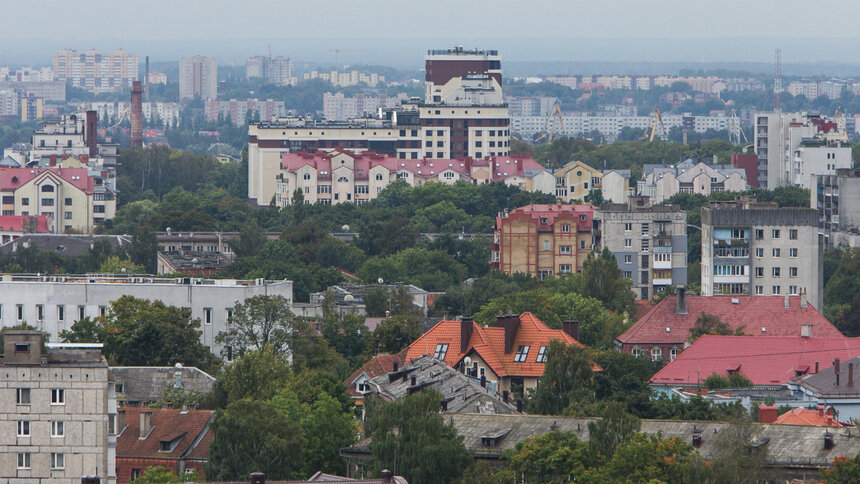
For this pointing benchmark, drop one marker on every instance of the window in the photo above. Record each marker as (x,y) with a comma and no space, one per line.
(775,290)
(582,245)
(628,259)
(207,315)
(792,272)
(135,473)
(58,428)
(40,312)
(541,357)
(58,460)
(628,227)
(229,314)
(441,351)
(628,243)
(565,228)
(564,268)
(776,252)
(628,274)
(759,290)
(739,234)
(775,233)
(522,353)
(81,312)
(61,313)
(448,175)
(792,234)
(644,245)
(643,277)
(792,290)
(638,352)
(23,428)
(673,353)
(23,396)
(546,244)
(759,234)
(774,271)
(307,176)
(23,460)
(379,176)
(68,201)
(759,252)
(564,250)
(25,201)
(47,202)
(362,189)
(559,181)
(656,353)
(58,396)
(759,271)
(645,228)
(20,310)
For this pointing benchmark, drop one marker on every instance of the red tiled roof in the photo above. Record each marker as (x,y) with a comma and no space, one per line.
(167,423)
(805,416)
(16,223)
(757,315)
(489,344)
(378,365)
(766,361)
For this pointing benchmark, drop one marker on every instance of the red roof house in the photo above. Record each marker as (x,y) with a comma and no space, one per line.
(766,361)
(800,416)
(511,354)
(175,439)
(378,365)
(664,331)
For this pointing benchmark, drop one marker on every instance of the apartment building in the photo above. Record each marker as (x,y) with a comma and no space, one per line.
(276,70)
(345,176)
(648,241)
(346,79)
(57,412)
(661,182)
(574,180)
(337,107)
(756,248)
(837,199)
(198,77)
(55,303)
(156,113)
(96,72)
(792,147)
(543,240)
(237,111)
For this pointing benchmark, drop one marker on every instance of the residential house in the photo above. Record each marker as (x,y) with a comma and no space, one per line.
(837,386)
(800,416)
(357,384)
(65,245)
(660,182)
(140,386)
(574,180)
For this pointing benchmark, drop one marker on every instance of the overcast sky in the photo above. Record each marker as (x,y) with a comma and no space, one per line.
(552,30)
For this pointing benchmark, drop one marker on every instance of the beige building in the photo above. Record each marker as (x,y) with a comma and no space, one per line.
(57,412)
(198,77)
(660,182)
(574,180)
(96,72)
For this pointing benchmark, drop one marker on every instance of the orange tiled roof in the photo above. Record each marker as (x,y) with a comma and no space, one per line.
(805,416)
(378,365)
(489,344)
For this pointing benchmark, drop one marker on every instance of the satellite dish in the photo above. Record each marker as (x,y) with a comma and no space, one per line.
(349,298)
(344,228)
(379,280)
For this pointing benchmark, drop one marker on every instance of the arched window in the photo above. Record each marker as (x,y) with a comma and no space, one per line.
(343,179)
(47,188)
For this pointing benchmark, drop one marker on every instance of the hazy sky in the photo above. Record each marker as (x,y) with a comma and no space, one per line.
(552,30)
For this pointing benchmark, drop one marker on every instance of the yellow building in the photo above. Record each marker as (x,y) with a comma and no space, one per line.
(574,180)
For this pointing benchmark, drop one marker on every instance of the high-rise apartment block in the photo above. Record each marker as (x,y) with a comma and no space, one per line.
(648,241)
(276,70)
(543,240)
(793,147)
(57,412)
(837,199)
(198,77)
(758,249)
(94,71)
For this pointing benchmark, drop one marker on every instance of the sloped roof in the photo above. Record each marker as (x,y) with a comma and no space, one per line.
(145,384)
(551,212)
(757,315)
(378,365)
(13,178)
(168,424)
(462,393)
(805,416)
(18,223)
(765,361)
(489,344)
(823,383)
(67,245)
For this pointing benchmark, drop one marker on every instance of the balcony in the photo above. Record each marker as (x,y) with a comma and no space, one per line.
(731,279)
(662,264)
(662,282)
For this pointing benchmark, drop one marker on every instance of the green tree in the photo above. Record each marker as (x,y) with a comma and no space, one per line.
(616,428)
(603,280)
(85,330)
(259,322)
(741,454)
(711,324)
(144,248)
(395,333)
(376,302)
(160,475)
(348,335)
(736,380)
(250,240)
(255,375)
(845,470)
(115,265)
(254,436)
(410,438)
(595,197)
(568,378)
(647,458)
(551,457)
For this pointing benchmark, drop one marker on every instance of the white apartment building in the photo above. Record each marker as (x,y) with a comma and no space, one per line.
(55,303)
(337,107)
(346,79)
(9,103)
(660,182)
(759,249)
(198,77)
(276,70)
(96,72)
(237,111)
(166,113)
(57,412)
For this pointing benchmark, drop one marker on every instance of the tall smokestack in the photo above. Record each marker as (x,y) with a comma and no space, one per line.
(91,133)
(146,81)
(136,137)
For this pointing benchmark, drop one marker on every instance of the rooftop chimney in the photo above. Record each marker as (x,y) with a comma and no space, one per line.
(396,366)
(571,328)
(177,376)
(681,301)
(466,325)
(850,381)
(836,370)
(767,413)
(145,423)
(258,478)
(806,330)
(803,302)
(511,323)
(91,132)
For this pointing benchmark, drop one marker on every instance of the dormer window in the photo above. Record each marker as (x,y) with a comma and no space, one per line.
(441,351)
(522,353)
(541,357)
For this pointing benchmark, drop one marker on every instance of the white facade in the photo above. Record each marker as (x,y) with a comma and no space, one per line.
(198,77)
(610,126)
(96,72)
(55,303)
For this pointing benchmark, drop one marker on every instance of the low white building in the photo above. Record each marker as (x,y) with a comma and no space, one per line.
(54,303)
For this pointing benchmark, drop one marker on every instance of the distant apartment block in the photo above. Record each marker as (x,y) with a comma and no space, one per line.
(58,412)
(157,78)
(337,107)
(26,74)
(758,249)
(96,72)
(156,113)
(661,182)
(703,84)
(648,241)
(530,106)
(238,112)
(346,79)
(9,104)
(543,240)
(74,297)
(792,147)
(837,199)
(198,78)
(276,70)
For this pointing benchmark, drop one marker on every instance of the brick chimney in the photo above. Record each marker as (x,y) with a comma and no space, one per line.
(571,328)
(767,413)
(511,323)
(803,302)
(681,301)
(145,423)
(850,381)
(466,326)
(387,476)
(836,370)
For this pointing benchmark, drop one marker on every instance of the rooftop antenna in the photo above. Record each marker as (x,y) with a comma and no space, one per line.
(777,81)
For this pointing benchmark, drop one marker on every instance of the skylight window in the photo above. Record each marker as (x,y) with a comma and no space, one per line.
(541,357)
(441,351)
(522,353)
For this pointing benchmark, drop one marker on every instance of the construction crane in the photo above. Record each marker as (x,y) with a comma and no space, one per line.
(656,118)
(553,126)
(736,134)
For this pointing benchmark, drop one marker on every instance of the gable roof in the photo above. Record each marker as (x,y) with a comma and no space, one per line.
(757,315)
(168,424)
(489,343)
(381,364)
(766,361)
(805,416)
(823,383)
(146,384)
